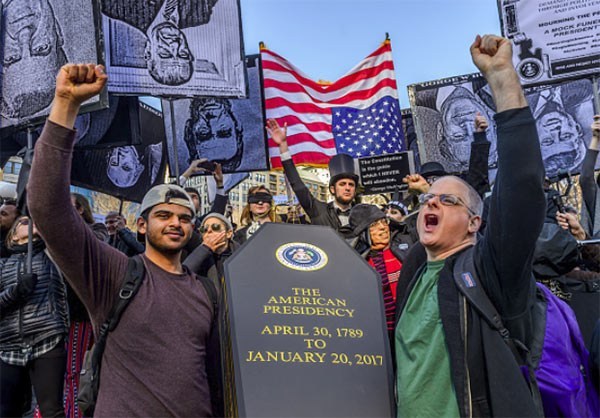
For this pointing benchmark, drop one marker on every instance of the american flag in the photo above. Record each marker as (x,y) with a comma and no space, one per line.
(358,114)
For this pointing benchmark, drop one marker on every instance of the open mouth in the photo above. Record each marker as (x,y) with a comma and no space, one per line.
(431,220)
(554,163)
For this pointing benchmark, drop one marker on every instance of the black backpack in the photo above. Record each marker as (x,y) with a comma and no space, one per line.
(89,378)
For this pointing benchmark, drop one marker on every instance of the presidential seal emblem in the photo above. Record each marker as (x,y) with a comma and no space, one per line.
(530,69)
(301,256)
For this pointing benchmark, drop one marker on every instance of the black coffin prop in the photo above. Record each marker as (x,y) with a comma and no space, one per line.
(307,328)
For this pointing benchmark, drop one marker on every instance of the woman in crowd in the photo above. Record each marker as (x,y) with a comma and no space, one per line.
(81,336)
(258,210)
(33,324)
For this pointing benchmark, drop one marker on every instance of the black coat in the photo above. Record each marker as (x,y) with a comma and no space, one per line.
(320,213)
(503,262)
(40,315)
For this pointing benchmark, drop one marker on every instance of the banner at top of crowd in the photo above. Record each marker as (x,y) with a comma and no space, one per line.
(358,114)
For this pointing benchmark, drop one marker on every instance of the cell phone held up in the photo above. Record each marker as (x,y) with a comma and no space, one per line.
(208,166)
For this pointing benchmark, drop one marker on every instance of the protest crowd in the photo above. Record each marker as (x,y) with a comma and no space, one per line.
(526,252)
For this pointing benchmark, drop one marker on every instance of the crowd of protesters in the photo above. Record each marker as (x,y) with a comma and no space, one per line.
(516,238)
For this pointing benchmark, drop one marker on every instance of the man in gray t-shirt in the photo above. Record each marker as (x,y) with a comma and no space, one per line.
(158,360)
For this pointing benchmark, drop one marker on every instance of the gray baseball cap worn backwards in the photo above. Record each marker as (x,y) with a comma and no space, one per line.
(167,193)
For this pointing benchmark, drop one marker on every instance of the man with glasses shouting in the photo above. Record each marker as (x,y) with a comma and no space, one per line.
(443,345)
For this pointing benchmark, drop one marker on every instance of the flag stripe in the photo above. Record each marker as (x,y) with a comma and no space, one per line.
(317,159)
(274,88)
(300,103)
(367,68)
(298,143)
(340,87)
(292,120)
(282,112)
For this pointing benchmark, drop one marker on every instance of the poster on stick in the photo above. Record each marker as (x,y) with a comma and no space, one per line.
(552,40)
(37,38)
(226,131)
(444,113)
(183,48)
(384,173)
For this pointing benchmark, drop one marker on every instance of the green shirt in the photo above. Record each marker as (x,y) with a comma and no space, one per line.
(424,383)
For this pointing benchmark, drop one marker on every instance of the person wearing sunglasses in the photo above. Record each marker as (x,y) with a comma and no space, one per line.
(259,210)
(443,344)
(217,245)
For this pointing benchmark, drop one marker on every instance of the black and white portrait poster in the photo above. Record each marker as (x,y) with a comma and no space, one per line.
(408,127)
(126,171)
(36,39)
(183,48)
(552,39)
(444,113)
(227,131)
(117,125)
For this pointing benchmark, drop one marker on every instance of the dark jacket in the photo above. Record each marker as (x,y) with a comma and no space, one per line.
(40,315)
(478,173)
(219,205)
(206,263)
(503,260)
(320,213)
(126,242)
(402,239)
(241,235)
(590,210)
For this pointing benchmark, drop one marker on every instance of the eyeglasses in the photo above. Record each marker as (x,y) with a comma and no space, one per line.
(215,228)
(446,200)
(380,222)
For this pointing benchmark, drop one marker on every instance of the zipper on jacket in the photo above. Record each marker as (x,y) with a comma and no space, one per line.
(21,307)
(469,405)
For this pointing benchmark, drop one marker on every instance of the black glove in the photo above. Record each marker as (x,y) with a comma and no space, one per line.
(26,284)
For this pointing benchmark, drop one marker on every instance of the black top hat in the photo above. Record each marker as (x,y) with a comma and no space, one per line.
(341,166)
(432,168)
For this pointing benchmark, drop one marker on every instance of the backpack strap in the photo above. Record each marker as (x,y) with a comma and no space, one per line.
(134,276)
(468,283)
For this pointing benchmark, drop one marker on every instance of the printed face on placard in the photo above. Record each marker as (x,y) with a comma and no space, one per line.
(168,55)
(124,167)
(212,132)
(561,141)
(32,52)
(459,124)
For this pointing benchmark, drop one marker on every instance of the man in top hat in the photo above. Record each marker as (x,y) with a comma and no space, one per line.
(342,184)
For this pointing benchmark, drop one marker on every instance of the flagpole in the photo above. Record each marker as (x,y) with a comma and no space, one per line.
(121,201)
(29,262)
(596,98)
(174,135)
